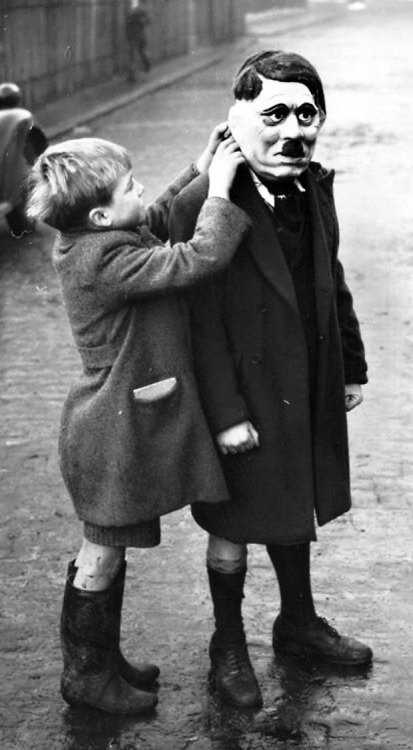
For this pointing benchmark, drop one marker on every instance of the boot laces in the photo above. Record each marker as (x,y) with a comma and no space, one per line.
(329,628)
(236,660)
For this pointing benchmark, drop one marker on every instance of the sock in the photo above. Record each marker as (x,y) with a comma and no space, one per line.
(227,592)
(292,566)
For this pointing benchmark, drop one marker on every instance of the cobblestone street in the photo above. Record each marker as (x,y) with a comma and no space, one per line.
(362,563)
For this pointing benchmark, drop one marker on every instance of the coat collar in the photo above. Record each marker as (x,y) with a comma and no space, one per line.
(265,246)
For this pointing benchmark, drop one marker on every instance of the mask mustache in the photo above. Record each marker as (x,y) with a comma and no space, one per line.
(294,149)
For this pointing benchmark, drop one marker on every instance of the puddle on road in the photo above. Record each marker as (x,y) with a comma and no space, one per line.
(300,708)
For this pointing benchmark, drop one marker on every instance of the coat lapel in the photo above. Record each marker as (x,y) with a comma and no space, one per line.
(263,240)
(265,247)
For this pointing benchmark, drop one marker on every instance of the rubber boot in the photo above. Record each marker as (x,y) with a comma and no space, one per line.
(140,675)
(90,627)
(231,674)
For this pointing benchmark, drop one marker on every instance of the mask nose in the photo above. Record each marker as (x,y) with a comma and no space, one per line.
(291,127)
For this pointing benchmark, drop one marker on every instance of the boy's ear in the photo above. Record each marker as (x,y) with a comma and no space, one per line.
(100,217)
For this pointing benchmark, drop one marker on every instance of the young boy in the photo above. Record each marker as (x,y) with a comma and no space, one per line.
(134,444)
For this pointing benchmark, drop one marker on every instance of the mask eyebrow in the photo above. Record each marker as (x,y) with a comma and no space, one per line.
(305,106)
(285,108)
(274,108)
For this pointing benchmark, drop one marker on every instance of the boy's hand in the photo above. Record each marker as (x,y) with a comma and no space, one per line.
(238,439)
(353,396)
(223,168)
(219,133)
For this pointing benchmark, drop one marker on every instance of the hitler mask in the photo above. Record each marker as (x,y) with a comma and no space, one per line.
(277,131)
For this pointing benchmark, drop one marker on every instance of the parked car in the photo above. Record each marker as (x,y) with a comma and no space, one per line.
(21,141)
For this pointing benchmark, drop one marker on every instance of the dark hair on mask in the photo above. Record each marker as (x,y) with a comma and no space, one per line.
(278,66)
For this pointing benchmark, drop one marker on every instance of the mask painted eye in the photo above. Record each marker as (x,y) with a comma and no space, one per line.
(306,114)
(276,115)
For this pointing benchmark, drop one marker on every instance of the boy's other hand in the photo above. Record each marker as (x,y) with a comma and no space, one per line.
(219,133)
(223,168)
(238,439)
(353,396)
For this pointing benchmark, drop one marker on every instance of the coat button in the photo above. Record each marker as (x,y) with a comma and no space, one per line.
(262,308)
(255,360)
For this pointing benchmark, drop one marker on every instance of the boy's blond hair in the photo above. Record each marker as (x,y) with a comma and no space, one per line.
(72,177)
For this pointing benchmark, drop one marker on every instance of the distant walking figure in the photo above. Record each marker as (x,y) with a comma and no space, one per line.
(137,20)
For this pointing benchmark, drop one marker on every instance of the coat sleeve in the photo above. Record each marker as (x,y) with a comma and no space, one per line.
(157,214)
(128,271)
(355,365)
(214,364)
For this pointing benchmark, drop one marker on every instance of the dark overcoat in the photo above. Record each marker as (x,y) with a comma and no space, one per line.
(252,364)
(129,457)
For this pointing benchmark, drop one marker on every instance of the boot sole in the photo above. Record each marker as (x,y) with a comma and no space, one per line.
(78,703)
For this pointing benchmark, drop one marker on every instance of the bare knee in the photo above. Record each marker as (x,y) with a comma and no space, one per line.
(97,566)
(224,556)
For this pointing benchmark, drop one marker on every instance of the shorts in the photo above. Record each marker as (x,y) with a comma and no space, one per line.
(146,534)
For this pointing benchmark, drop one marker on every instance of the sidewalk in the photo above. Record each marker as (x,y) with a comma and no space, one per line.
(76,110)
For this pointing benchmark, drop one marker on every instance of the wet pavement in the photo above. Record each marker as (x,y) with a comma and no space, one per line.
(362,564)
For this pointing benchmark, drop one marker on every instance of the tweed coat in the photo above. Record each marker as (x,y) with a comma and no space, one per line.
(251,361)
(129,455)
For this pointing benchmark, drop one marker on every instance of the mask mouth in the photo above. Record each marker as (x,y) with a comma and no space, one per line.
(294,149)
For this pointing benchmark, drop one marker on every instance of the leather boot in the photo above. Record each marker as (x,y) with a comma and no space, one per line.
(231,674)
(321,639)
(140,675)
(90,627)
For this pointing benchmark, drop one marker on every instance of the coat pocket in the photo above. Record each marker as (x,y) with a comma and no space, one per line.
(155,391)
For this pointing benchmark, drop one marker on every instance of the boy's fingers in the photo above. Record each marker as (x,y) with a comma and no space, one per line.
(229,143)
(351,401)
(219,132)
(221,127)
(229,148)
(226,144)
(220,147)
(254,436)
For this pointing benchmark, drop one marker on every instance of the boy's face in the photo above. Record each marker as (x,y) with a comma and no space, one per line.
(127,208)
(277,131)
